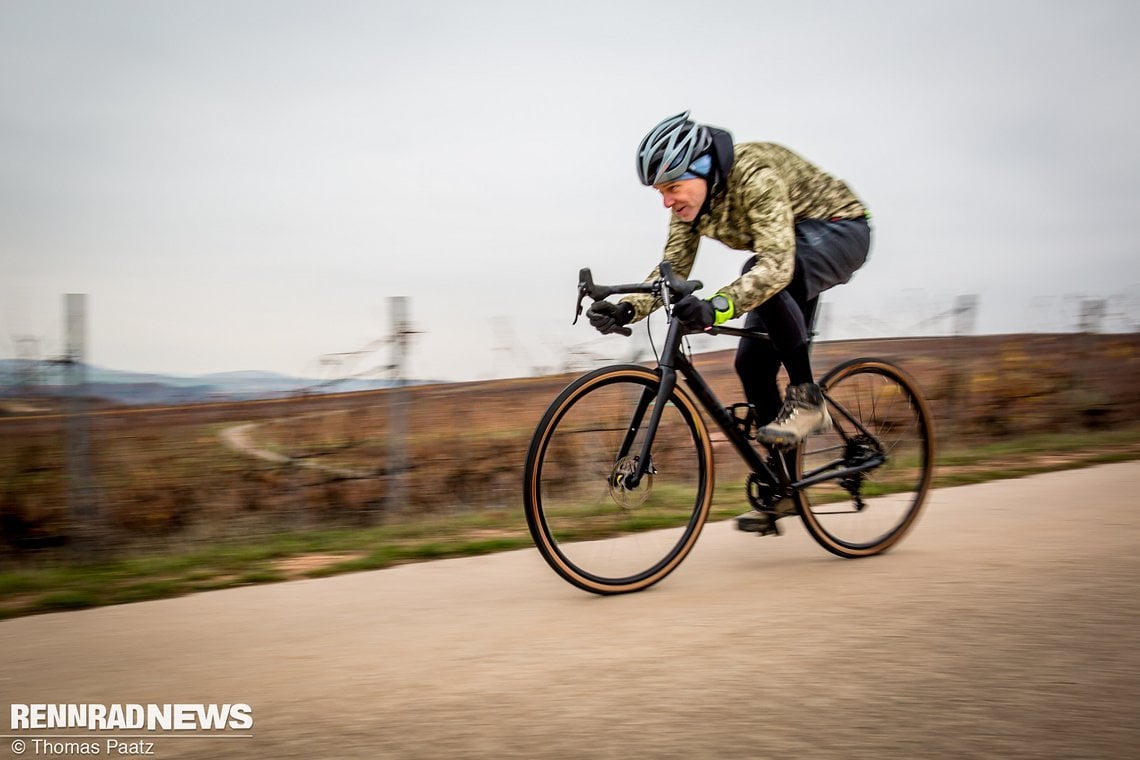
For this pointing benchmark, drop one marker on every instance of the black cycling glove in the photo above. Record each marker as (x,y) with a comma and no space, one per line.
(609,317)
(695,312)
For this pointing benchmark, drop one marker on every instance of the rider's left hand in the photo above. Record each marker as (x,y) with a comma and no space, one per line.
(695,312)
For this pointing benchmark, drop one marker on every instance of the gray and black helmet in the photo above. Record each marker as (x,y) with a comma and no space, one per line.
(670,148)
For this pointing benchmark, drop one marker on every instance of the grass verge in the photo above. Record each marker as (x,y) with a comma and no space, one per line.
(52,586)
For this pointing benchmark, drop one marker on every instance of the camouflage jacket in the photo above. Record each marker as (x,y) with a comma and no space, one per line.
(769,189)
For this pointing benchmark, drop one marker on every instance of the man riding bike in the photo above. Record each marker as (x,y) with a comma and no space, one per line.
(807,232)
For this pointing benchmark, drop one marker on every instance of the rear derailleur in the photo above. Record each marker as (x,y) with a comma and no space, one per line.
(860,450)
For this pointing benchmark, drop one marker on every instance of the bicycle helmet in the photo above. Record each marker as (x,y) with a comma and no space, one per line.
(670,148)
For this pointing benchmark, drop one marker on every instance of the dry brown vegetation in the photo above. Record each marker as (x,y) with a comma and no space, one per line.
(164,476)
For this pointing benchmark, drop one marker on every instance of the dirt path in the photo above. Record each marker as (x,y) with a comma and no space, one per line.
(239,438)
(1006,626)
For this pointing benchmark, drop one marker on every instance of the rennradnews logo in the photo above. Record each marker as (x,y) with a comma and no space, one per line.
(150,717)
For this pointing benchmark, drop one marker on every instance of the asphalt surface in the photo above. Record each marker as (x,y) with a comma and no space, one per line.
(1007,625)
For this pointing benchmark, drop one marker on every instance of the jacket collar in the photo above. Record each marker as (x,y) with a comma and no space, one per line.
(723,155)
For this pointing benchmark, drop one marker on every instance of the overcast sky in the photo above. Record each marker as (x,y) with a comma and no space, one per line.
(243,185)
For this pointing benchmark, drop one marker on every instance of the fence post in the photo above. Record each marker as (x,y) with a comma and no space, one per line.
(397,469)
(88,533)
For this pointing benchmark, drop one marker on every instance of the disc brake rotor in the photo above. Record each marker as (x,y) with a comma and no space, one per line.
(626,497)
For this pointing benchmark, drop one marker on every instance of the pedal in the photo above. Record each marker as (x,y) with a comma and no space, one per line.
(763,525)
(744,415)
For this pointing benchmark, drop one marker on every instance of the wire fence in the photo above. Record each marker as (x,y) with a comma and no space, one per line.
(80,475)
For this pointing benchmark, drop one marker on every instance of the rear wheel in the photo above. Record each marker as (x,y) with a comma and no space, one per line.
(596,532)
(883,437)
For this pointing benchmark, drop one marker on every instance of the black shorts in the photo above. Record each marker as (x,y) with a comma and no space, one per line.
(829,252)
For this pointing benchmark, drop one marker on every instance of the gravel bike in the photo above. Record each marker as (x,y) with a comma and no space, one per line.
(619,474)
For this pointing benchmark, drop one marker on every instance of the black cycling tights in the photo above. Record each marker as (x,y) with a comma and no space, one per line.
(788,321)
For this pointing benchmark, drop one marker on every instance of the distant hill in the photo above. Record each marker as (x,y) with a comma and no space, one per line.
(20,378)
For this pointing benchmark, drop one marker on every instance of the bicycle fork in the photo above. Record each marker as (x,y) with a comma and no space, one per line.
(644,460)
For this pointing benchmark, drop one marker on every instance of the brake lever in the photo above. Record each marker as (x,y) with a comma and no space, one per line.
(585,285)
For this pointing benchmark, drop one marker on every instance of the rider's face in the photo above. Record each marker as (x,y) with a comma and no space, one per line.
(684,197)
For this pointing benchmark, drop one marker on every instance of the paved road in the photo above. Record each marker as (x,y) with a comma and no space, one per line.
(1006,626)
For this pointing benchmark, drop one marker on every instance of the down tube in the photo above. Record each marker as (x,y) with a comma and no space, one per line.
(724,420)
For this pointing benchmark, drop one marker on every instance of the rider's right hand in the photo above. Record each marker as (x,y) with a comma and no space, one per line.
(609,317)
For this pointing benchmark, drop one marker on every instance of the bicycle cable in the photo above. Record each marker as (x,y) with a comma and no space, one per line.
(652,343)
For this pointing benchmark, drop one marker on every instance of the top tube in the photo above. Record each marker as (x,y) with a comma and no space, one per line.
(739,332)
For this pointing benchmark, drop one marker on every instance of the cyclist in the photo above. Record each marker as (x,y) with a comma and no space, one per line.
(806,231)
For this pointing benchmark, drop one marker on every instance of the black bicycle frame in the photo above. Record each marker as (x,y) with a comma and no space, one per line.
(674,361)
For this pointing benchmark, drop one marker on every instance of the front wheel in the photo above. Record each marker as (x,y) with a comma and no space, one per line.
(594,530)
(881,446)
